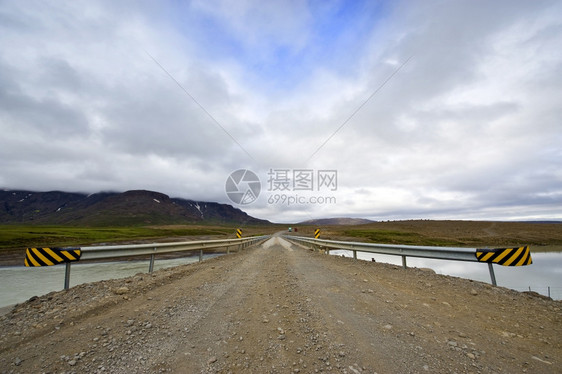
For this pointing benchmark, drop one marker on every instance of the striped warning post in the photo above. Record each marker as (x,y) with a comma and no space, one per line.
(239,233)
(51,256)
(506,256)
(316,233)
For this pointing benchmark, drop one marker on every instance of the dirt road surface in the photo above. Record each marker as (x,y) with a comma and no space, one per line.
(279,308)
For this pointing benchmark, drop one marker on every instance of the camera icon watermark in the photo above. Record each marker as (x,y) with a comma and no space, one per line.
(243,187)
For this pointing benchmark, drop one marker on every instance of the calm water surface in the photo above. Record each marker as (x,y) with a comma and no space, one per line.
(19,283)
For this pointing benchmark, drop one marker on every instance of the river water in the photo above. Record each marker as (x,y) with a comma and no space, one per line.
(19,283)
(545,272)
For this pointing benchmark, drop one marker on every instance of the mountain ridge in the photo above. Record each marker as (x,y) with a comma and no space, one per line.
(337,221)
(129,208)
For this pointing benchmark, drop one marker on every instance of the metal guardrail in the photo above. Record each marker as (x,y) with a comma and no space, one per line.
(442,253)
(113,251)
(133,250)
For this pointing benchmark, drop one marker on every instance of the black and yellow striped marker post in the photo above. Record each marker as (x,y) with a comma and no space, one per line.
(238,233)
(506,256)
(316,233)
(520,256)
(52,256)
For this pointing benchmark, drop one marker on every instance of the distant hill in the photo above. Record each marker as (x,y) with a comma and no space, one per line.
(336,221)
(138,207)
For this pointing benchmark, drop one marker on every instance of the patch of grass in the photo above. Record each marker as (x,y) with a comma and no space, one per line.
(44,236)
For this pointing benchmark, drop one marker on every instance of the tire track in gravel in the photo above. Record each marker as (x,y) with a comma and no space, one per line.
(359,343)
(260,326)
(362,316)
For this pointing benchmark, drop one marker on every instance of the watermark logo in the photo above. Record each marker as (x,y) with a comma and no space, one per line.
(302,180)
(243,187)
(285,186)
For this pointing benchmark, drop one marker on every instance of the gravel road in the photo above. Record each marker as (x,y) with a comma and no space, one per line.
(280,308)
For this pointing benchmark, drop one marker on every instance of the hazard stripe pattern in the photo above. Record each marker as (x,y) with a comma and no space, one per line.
(239,233)
(506,256)
(50,256)
(316,233)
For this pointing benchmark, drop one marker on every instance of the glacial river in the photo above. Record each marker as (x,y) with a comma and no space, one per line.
(20,283)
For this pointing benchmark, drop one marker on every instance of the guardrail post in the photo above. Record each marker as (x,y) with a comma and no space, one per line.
(200,255)
(67,276)
(355,255)
(227,250)
(151,266)
(404,262)
(492,275)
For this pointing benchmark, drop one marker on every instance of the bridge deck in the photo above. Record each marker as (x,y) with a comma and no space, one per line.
(279,308)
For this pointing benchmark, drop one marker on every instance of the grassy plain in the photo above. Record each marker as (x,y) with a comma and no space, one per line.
(541,236)
(14,237)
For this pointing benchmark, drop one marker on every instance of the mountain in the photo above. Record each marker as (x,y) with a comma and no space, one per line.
(138,207)
(342,221)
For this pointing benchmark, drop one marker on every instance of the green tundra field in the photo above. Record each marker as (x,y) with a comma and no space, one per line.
(540,236)
(14,237)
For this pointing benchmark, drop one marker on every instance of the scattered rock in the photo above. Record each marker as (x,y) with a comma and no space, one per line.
(428,270)
(506,334)
(121,290)
(541,360)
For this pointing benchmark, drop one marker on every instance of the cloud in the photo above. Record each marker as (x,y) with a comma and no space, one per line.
(468,128)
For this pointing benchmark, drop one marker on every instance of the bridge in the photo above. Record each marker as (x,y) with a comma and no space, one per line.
(278,307)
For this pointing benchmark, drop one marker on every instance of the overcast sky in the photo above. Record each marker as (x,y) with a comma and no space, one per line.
(426,109)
